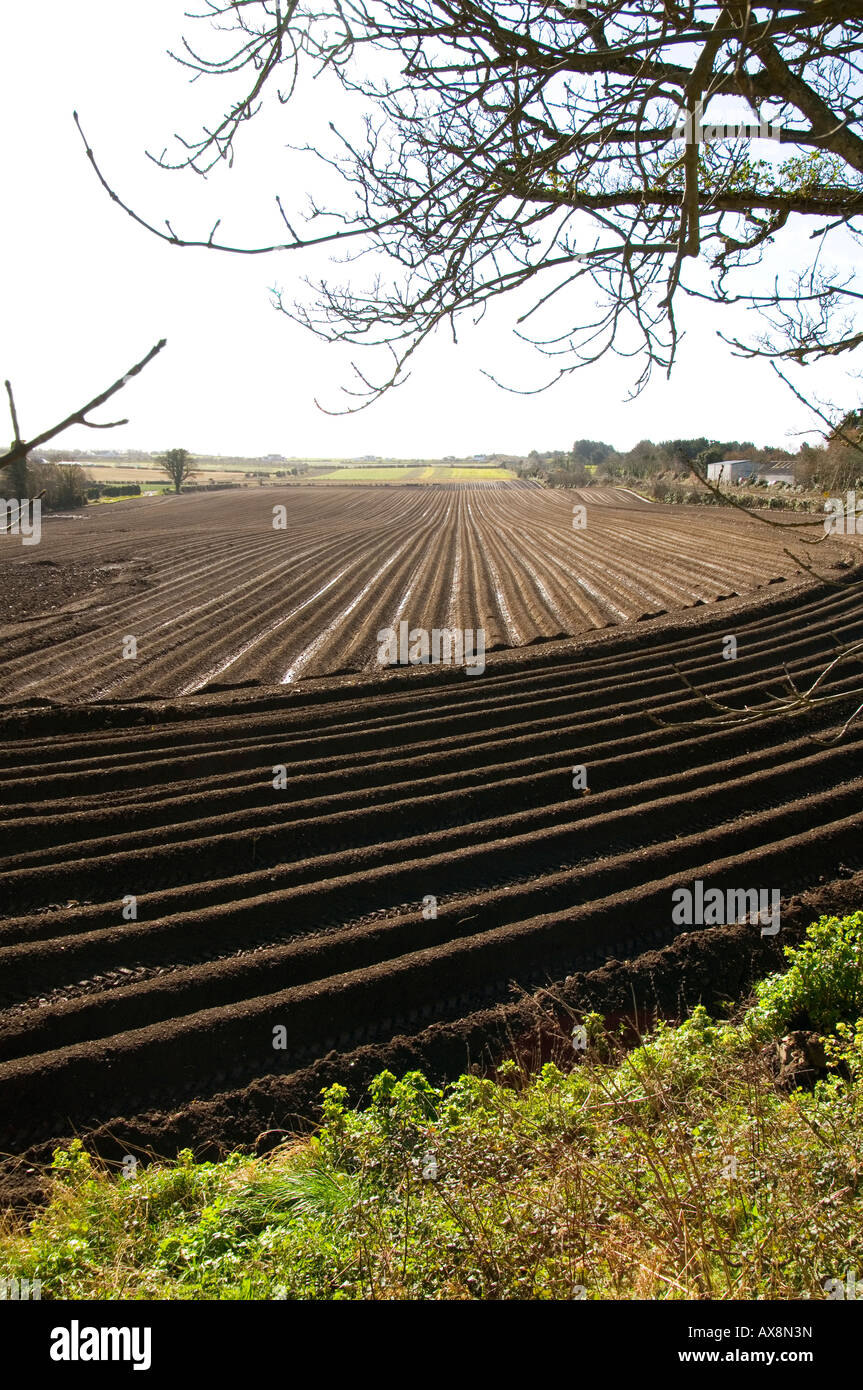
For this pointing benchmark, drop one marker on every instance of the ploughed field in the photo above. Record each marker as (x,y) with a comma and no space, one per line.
(308,907)
(214,595)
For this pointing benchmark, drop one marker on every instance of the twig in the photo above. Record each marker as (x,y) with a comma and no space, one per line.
(21,448)
(775,705)
(13,412)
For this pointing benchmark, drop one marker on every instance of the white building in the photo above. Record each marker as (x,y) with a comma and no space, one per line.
(730,470)
(777,473)
(735,470)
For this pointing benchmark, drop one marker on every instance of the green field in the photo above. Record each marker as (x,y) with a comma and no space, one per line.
(420,473)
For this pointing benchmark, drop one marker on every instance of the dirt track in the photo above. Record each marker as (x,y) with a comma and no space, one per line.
(215,596)
(302,907)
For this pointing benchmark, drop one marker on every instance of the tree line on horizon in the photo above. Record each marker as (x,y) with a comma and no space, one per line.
(834,465)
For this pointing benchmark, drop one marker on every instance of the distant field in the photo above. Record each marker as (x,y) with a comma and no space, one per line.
(145,474)
(215,593)
(327,471)
(427,473)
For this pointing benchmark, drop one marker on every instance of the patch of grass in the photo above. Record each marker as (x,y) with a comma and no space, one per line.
(420,473)
(126,497)
(669,1170)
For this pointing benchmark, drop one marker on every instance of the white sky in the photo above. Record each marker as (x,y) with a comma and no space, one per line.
(85,292)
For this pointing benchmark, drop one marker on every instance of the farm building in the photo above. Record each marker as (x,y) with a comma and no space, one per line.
(777,473)
(734,470)
(730,470)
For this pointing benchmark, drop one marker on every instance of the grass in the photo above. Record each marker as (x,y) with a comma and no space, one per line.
(674,1169)
(155,490)
(422,473)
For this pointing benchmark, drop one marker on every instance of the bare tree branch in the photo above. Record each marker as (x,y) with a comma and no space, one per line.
(507,143)
(21,448)
(792,703)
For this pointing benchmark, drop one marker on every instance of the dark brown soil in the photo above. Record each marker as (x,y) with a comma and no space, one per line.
(217,597)
(302,907)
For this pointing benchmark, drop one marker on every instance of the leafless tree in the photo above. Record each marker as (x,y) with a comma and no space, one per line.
(510,143)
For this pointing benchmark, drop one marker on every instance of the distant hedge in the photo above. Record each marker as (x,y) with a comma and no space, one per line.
(114,490)
(208,487)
